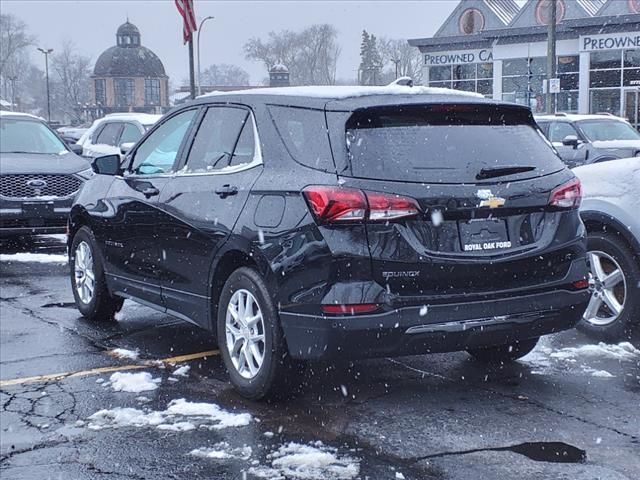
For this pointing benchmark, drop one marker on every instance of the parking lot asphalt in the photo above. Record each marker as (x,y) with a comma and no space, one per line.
(569,410)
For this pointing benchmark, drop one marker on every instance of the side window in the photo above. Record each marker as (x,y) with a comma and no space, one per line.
(109,134)
(215,142)
(245,148)
(130,134)
(559,130)
(158,152)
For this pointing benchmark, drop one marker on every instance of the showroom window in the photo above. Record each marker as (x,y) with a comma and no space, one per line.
(151,91)
(613,75)
(101,95)
(470,77)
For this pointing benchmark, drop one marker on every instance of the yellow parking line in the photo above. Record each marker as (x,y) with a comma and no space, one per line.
(96,371)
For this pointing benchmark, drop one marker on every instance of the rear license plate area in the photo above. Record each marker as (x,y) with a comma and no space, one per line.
(484,235)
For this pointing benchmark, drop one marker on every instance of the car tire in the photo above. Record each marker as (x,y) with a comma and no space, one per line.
(254,376)
(504,353)
(91,295)
(613,252)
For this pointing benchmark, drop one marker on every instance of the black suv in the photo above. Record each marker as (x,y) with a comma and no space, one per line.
(304,224)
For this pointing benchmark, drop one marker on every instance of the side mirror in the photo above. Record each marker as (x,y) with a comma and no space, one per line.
(571,141)
(106,165)
(75,148)
(126,147)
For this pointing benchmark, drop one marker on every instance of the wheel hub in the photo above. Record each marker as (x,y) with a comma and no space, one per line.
(608,288)
(245,335)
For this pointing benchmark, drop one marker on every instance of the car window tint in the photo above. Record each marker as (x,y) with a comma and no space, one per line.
(304,133)
(245,148)
(559,130)
(158,152)
(109,134)
(130,134)
(216,139)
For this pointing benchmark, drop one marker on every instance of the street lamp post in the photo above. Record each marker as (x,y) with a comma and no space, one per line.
(200,30)
(46,53)
(13,92)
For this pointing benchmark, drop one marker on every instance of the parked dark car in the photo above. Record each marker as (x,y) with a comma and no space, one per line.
(39,176)
(586,139)
(304,224)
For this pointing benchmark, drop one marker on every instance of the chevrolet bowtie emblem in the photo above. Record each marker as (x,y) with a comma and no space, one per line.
(493,202)
(488,199)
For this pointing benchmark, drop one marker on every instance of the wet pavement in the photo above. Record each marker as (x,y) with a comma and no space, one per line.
(566,411)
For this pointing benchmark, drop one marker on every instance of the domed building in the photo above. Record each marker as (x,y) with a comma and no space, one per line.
(129,77)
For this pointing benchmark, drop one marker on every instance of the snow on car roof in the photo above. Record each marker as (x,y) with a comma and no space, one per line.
(339,92)
(573,117)
(4,113)
(143,118)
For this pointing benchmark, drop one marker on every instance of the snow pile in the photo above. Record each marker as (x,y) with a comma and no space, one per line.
(341,91)
(179,416)
(618,180)
(543,357)
(622,351)
(33,257)
(308,462)
(222,451)
(182,371)
(124,353)
(133,382)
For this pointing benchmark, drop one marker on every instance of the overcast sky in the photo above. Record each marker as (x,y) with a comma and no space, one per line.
(92,25)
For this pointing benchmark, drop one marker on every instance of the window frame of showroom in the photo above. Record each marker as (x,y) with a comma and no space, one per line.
(128,92)
(611,79)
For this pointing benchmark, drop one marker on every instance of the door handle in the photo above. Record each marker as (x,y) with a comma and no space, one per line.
(150,192)
(227,190)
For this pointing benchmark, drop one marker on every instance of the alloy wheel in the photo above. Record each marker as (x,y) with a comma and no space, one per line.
(244,327)
(84,274)
(608,289)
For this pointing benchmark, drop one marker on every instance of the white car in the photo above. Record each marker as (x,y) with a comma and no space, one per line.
(107,134)
(611,213)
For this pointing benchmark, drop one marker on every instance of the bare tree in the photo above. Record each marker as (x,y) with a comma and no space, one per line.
(71,80)
(407,58)
(14,40)
(225,75)
(310,55)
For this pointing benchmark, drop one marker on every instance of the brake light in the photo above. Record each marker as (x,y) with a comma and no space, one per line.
(568,195)
(350,309)
(341,205)
(581,284)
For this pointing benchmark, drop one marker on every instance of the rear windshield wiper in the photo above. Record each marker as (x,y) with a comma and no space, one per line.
(493,172)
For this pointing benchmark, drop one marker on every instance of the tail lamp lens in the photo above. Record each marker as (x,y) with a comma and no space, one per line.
(568,195)
(343,205)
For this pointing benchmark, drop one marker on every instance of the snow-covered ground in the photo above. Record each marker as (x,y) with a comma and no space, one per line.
(179,415)
(545,358)
(33,257)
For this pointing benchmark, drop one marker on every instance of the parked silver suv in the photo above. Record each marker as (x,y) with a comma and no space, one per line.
(585,139)
(609,210)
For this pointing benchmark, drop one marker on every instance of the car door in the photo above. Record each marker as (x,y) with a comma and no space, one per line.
(105,141)
(204,201)
(558,131)
(131,239)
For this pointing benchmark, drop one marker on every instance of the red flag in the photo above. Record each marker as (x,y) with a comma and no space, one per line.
(185,7)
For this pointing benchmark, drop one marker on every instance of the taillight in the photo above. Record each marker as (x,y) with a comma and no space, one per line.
(350,309)
(343,205)
(568,195)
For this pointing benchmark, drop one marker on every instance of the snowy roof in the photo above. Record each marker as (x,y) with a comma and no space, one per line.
(577,118)
(143,118)
(505,10)
(278,67)
(4,113)
(342,92)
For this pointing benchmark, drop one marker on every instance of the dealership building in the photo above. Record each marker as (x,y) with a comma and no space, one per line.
(499,48)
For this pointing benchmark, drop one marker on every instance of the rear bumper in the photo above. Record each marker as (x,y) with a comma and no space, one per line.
(442,328)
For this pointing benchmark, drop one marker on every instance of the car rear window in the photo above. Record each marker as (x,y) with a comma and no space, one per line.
(304,133)
(445,143)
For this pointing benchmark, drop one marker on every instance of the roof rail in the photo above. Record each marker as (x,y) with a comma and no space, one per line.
(560,114)
(608,114)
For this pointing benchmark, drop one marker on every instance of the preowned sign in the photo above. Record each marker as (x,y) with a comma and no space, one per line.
(463,56)
(615,41)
